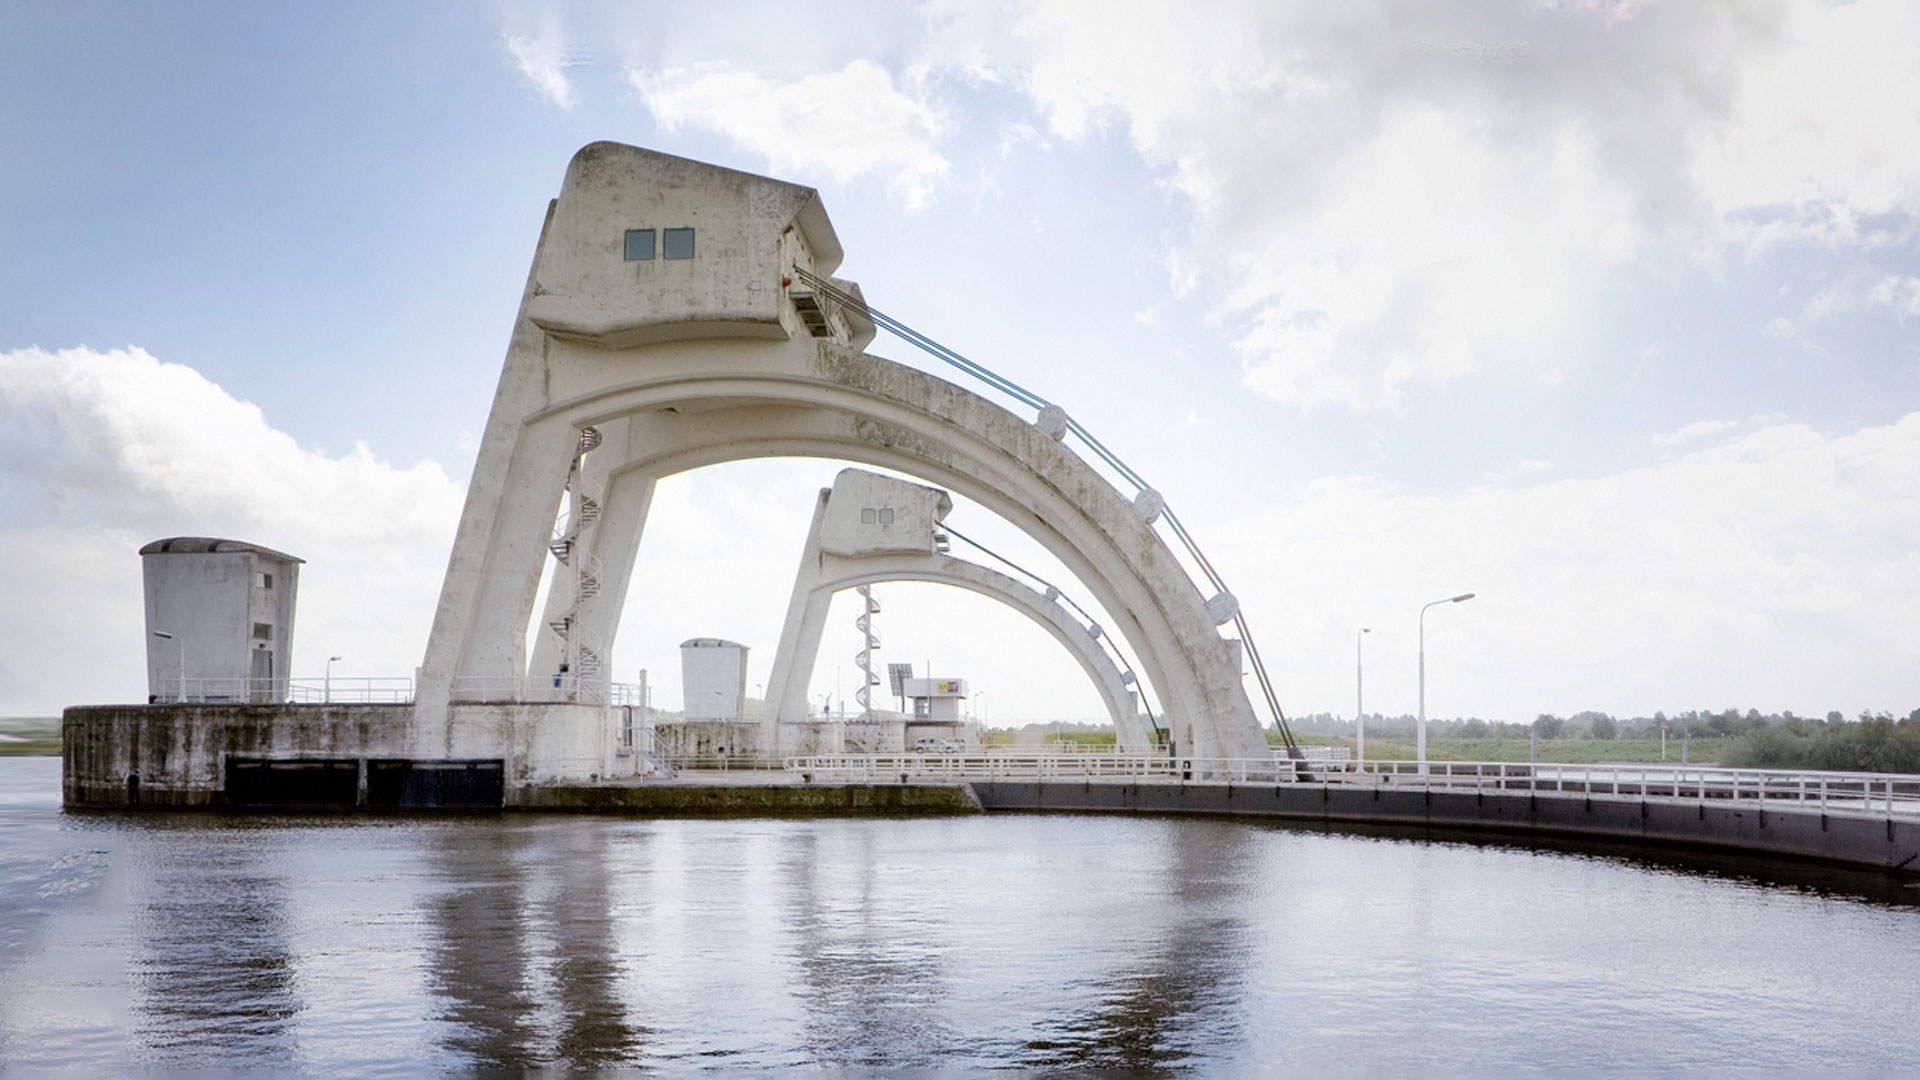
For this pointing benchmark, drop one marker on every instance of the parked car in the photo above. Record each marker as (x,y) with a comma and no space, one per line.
(932,745)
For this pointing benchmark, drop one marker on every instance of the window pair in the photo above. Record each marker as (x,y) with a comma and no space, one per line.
(883,516)
(677,244)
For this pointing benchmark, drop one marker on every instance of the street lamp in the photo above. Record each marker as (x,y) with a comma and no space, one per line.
(1359,712)
(182,646)
(1420,733)
(326,692)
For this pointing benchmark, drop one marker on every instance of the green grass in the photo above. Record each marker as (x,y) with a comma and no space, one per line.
(1703,751)
(29,736)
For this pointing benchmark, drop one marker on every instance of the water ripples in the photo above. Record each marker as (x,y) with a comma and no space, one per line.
(373,946)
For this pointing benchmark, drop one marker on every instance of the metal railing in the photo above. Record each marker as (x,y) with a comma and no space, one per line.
(1839,792)
(1891,793)
(351,690)
(998,766)
(1195,559)
(485,689)
(238,690)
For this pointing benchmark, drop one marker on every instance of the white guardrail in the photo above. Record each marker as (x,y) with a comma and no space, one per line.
(1874,793)
(346,690)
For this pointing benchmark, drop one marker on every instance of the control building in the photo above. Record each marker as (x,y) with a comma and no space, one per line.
(219,620)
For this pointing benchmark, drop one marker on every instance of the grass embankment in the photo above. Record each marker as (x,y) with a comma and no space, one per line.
(29,736)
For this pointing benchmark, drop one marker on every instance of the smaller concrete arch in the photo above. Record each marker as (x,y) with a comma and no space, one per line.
(848,545)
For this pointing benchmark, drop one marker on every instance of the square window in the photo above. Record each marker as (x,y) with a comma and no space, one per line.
(886,516)
(679,244)
(867,516)
(639,245)
(263,631)
(266,581)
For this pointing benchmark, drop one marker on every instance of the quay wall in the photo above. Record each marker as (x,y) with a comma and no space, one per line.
(1850,837)
(688,797)
(178,756)
(342,757)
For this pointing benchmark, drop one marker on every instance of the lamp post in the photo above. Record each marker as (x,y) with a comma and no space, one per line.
(182,646)
(1359,711)
(326,686)
(1420,733)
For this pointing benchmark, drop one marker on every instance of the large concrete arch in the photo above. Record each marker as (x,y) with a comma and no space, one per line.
(677,367)
(829,564)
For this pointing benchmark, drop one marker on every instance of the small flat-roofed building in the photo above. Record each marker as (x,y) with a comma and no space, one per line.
(713,679)
(935,709)
(219,619)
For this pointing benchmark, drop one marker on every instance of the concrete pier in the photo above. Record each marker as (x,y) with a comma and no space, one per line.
(1856,838)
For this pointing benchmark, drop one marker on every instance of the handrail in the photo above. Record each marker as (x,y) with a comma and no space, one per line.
(1027,397)
(1838,792)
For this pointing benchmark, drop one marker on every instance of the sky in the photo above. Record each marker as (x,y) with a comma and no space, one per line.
(1607,311)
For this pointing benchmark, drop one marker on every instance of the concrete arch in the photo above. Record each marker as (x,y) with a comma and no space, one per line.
(823,573)
(593,348)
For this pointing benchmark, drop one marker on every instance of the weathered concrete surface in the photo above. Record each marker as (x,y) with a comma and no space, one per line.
(1852,838)
(172,756)
(175,755)
(691,798)
(681,364)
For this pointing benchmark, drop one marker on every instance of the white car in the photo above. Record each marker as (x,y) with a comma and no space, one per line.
(938,746)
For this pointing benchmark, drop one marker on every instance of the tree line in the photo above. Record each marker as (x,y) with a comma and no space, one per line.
(1869,742)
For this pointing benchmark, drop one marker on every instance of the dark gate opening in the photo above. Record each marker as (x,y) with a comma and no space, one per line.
(296,784)
(442,785)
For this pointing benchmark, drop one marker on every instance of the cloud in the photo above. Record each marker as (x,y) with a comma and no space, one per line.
(543,59)
(1393,195)
(101,452)
(1774,570)
(1695,430)
(1897,293)
(845,124)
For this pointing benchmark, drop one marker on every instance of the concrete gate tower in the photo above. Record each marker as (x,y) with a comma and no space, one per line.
(667,325)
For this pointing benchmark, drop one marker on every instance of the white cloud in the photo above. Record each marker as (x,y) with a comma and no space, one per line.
(1695,430)
(1820,123)
(543,59)
(1776,570)
(1391,195)
(1898,293)
(101,452)
(846,124)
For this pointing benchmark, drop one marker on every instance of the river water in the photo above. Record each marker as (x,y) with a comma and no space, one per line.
(364,945)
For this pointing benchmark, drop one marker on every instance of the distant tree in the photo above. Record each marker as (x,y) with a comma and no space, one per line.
(1549,726)
(1913,719)
(1834,717)
(1603,727)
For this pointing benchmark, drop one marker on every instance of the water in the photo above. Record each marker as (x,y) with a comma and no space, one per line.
(383,945)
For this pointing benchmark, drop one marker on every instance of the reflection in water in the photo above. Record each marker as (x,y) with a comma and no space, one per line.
(1050,943)
(594,1027)
(522,950)
(1759,871)
(874,989)
(213,977)
(1154,1012)
(479,959)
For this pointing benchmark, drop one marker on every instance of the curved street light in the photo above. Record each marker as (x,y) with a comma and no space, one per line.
(1420,733)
